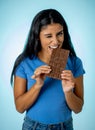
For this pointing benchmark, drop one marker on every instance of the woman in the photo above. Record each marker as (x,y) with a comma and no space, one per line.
(48,102)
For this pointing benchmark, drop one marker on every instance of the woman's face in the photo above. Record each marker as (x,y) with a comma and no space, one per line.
(51,37)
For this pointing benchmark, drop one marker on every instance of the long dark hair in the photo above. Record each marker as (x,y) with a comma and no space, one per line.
(33,45)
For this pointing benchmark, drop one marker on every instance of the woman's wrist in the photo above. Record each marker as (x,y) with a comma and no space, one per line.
(68,92)
(38,85)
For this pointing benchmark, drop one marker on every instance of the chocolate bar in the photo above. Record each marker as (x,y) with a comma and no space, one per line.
(58,62)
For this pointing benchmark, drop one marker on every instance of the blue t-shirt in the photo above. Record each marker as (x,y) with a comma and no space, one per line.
(50,106)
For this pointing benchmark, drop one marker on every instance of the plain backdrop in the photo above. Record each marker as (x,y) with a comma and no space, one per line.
(15,20)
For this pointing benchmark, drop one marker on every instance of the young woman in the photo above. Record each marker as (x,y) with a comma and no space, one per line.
(48,102)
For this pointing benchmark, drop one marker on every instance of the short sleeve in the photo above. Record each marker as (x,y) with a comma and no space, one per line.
(20,71)
(78,67)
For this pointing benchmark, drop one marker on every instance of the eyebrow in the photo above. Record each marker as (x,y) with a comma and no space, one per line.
(60,31)
(47,34)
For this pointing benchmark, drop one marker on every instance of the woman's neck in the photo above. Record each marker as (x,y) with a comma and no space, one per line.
(44,57)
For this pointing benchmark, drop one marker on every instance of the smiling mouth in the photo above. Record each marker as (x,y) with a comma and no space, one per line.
(53,47)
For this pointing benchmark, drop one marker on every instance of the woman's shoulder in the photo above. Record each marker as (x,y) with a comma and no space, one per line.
(76,64)
(27,60)
(31,62)
(75,59)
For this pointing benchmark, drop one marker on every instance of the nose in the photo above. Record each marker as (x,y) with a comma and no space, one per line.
(55,40)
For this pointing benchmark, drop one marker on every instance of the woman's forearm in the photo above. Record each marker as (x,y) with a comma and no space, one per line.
(74,102)
(23,102)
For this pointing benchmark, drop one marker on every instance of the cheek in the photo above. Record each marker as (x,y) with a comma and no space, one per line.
(61,41)
(44,43)
(63,38)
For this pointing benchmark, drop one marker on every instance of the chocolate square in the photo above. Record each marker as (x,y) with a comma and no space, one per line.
(58,62)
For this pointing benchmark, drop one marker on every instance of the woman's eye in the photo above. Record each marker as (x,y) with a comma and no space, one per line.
(60,34)
(49,36)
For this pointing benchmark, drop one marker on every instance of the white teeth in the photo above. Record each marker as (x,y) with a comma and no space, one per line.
(53,47)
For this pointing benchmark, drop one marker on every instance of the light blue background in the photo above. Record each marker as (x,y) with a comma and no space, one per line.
(15,20)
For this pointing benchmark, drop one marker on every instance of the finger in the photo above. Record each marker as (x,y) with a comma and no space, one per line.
(44,67)
(67,71)
(67,77)
(42,71)
(33,76)
(39,72)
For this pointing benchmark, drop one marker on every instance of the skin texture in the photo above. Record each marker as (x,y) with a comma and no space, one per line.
(51,36)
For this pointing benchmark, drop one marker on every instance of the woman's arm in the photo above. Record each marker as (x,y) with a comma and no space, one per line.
(24,99)
(73,90)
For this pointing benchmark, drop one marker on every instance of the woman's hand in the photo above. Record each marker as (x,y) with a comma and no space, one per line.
(40,73)
(68,81)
